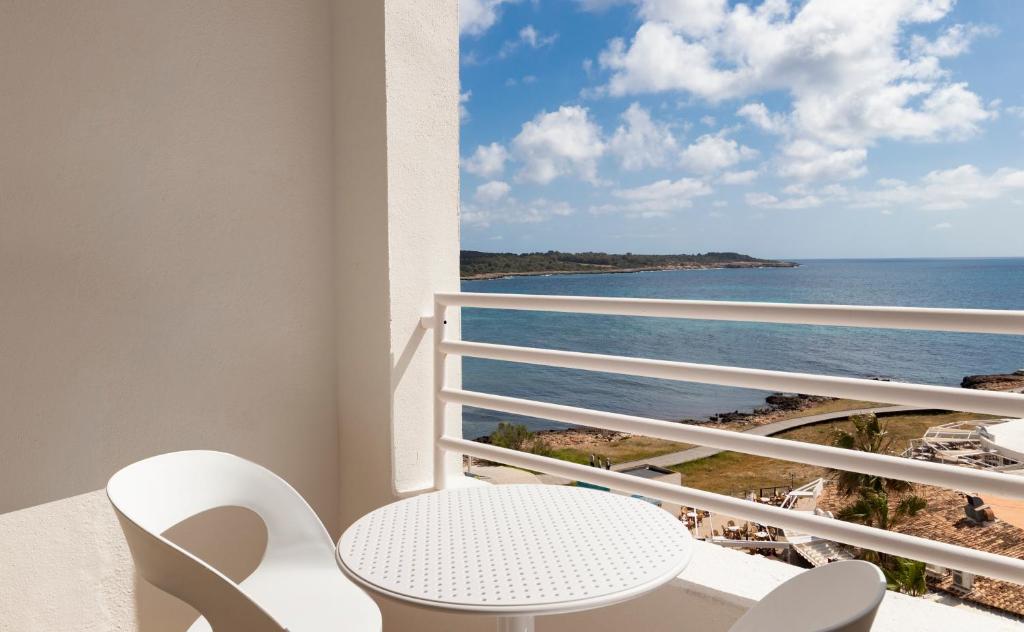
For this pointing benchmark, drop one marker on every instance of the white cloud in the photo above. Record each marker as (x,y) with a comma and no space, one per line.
(464,98)
(850,79)
(560,143)
(487,161)
(656,199)
(533,39)
(963,187)
(476,16)
(640,142)
(957,188)
(690,17)
(942,226)
(738,177)
(808,160)
(708,120)
(766,200)
(492,191)
(758,114)
(658,59)
(529,37)
(956,40)
(509,210)
(711,153)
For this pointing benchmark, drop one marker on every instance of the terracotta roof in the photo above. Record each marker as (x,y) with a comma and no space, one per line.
(944,520)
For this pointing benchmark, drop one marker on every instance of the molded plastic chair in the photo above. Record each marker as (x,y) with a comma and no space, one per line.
(837,597)
(297,586)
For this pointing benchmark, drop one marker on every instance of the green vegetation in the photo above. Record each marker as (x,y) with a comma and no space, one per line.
(868,434)
(733,473)
(883,503)
(484,264)
(630,448)
(518,437)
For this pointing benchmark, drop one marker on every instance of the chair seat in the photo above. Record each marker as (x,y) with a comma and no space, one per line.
(310,598)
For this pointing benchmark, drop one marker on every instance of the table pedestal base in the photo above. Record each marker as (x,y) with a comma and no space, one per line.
(515,624)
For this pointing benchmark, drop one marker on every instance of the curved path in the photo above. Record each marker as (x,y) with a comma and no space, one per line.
(766,430)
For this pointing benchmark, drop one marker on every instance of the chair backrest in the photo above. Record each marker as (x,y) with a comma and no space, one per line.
(153,495)
(837,597)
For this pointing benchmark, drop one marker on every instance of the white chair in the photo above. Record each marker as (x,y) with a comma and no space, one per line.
(297,586)
(837,597)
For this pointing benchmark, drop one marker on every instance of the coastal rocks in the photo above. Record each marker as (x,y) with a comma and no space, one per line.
(995,382)
(578,438)
(774,404)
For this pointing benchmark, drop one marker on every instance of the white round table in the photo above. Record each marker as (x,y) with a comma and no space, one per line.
(515,551)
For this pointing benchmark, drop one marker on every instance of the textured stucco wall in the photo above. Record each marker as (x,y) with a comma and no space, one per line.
(167,272)
(397,186)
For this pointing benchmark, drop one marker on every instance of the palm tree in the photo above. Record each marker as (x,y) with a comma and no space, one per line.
(872,508)
(868,435)
(905,576)
(883,503)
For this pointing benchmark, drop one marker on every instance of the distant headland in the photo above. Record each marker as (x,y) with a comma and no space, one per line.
(492,265)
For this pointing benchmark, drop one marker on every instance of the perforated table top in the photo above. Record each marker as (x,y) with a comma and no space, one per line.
(531,549)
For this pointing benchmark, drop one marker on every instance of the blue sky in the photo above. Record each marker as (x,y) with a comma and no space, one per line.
(824,128)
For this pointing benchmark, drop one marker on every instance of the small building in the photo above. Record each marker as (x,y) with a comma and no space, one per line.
(655,473)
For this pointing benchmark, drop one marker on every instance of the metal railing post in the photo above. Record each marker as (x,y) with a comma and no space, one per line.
(441,474)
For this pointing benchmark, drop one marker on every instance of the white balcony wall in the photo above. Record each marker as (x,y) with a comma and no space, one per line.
(397,193)
(219,224)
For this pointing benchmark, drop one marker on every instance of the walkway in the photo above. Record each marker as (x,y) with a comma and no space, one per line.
(694,454)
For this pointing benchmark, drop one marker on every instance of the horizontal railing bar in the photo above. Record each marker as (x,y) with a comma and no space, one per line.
(984,321)
(938,397)
(948,476)
(947,555)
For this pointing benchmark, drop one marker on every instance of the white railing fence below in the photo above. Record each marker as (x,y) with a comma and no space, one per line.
(450,442)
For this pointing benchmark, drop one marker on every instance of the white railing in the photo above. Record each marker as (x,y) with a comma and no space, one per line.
(450,443)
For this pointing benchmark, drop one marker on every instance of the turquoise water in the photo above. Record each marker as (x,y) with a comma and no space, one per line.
(925,357)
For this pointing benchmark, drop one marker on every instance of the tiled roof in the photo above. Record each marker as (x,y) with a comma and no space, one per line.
(944,520)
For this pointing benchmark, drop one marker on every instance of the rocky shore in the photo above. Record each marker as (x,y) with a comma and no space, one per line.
(996,382)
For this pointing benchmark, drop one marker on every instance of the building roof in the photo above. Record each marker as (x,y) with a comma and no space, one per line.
(944,520)
(648,471)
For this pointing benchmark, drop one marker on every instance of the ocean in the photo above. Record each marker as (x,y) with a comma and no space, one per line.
(924,357)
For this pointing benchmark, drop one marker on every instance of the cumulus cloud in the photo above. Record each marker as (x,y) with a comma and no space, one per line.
(850,79)
(476,16)
(738,177)
(963,187)
(640,142)
(758,114)
(560,143)
(487,161)
(463,108)
(956,40)
(509,210)
(767,200)
(955,188)
(492,191)
(712,153)
(656,199)
(808,160)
